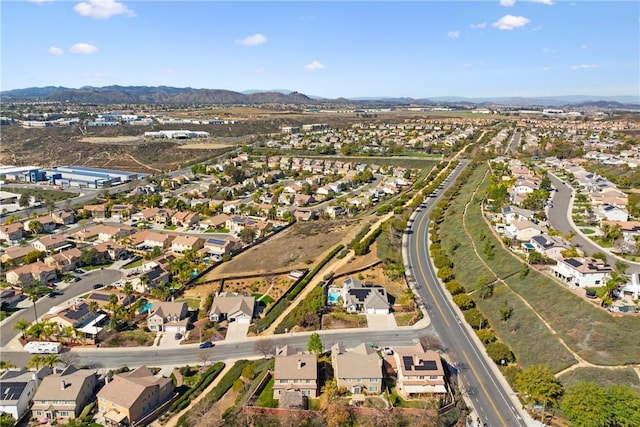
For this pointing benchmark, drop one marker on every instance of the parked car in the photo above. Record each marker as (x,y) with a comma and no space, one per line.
(177,336)
(387,351)
(207,344)
(98,285)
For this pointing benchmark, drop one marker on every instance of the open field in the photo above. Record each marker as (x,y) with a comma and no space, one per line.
(112,139)
(592,333)
(297,247)
(603,377)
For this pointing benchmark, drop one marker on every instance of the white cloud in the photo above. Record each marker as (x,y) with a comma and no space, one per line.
(260,70)
(583,46)
(583,66)
(40,1)
(102,9)
(467,65)
(83,49)
(56,51)
(548,50)
(453,34)
(509,22)
(253,40)
(546,68)
(547,2)
(479,26)
(168,71)
(507,3)
(314,66)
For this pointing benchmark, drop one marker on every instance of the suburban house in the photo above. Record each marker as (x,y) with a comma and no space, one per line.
(220,247)
(64,395)
(549,246)
(611,213)
(96,211)
(359,370)
(64,261)
(79,317)
(131,396)
(34,272)
(121,212)
(148,239)
(360,299)
(234,308)
(183,243)
(185,219)
(583,272)
(632,287)
(107,232)
(12,233)
(17,388)
(168,317)
(9,298)
(111,251)
(150,276)
(295,372)
(216,221)
(102,297)
(523,230)
(51,243)
(15,254)
(63,217)
(304,214)
(419,371)
(47,224)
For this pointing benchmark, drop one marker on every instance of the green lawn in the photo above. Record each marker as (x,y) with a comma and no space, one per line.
(587,230)
(266,400)
(192,303)
(134,264)
(265,299)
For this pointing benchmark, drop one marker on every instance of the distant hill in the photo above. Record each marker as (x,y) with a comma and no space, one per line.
(173,95)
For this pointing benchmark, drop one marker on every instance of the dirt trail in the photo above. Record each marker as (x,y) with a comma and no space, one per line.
(580,361)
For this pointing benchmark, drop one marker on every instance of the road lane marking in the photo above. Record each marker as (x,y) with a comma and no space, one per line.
(433,297)
(475,374)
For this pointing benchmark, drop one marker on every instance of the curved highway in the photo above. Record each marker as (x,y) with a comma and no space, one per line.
(481,381)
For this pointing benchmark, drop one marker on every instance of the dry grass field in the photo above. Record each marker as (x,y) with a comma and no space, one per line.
(298,247)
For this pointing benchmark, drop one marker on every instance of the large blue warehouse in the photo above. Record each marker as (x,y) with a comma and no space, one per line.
(81,176)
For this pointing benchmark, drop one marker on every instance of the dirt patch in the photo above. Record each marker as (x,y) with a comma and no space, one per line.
(204,146)
(298,247)
(111,140)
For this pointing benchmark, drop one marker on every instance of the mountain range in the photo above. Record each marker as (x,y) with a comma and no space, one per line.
(185,96)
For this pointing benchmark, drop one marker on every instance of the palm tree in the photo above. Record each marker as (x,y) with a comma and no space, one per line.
(127,289)
(22,325)
(34,292)
(5,364)
(93,309)
(35,362)
(51,360)
(113,306)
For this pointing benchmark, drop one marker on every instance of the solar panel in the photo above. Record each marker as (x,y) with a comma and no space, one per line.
(408,362)
(216,242)
(426,365)
(11,390)
(573,262)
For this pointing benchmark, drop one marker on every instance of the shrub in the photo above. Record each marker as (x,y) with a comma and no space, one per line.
(499,351)
(486,335)
(454,287)
(464,301)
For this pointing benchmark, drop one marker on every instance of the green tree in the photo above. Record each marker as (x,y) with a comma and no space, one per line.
(464,301)
(505,312)
(247,235)
(7,420)
(36,362)
(22,325)
(538,385)
(624,405)
(586,404)
(34,292)
(93,309)
(499,352)
(51,360)
(314,344)
(248,372)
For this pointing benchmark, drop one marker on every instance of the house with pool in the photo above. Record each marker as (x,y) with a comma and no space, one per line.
(357,298)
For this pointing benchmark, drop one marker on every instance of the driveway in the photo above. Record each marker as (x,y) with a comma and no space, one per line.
(381,321)
(237,331)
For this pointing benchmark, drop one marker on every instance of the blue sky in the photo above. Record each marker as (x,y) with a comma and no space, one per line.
(332,49)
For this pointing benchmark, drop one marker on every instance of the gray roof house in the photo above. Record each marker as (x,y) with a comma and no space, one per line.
(295,372)
(17,388)
(168,317)
(360,299)
(234,308)
(359,369)
(64,395)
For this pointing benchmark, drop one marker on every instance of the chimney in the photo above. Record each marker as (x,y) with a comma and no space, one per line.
(63,384)
(300,364)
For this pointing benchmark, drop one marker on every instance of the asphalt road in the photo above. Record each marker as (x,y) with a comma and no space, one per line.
(44,304)
(488,392)
(558,217)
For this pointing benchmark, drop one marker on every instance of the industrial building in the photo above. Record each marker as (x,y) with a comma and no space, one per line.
(176,134)
(22,173)
(81,176)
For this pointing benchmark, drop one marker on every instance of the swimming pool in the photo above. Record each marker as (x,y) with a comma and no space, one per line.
(333,294)
(528,246)
(146,307)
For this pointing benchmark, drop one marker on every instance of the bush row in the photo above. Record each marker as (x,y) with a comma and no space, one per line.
(207,377)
